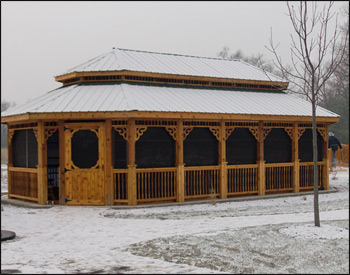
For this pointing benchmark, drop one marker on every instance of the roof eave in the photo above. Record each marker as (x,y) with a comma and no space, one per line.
(163,115)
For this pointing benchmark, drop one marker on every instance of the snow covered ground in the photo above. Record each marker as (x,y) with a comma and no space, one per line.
(256,236)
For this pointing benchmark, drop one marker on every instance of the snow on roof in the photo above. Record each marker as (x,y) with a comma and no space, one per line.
(131,97)
(151,62)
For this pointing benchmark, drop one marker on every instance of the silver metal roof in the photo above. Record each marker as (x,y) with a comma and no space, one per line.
(131,97)
(141,61)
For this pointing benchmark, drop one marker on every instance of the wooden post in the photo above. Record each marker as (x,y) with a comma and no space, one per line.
(180,178)
(132,195)
(108,165)
(10,134)
(222,161)
(295,159)
(261,161)
(326,162)
(42,164)
(61,148)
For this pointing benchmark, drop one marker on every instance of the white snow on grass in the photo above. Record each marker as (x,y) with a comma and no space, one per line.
(311,231)
(254,236)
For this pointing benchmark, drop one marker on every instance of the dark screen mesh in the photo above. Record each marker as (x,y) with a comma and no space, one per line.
(32,149)
(120,151)
(25,149)
(241,147)
(84,149)
(278,146)
(155,148)
(52,149)
(305,146)
(200,148)
(19,148)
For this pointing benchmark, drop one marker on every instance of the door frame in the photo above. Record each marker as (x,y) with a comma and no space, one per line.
(69,167)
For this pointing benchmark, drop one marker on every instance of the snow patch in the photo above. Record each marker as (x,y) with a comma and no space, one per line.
(325,231)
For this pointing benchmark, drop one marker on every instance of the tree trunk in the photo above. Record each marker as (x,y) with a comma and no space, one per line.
(314,149)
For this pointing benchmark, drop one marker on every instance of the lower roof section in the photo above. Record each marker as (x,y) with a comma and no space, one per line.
(123,97)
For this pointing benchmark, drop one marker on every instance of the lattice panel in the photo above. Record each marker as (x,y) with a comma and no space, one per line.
(51,124)
(309,125)
(123,131)
(139,132)
(289,131)
(301,132)
(228,132)
(10,136)
(187,131)
(171,131)
(278,124)
(49,132)
(323,133)
(266,131)
(201,123)
(156,122)
(242,124)
(19,126)
(119,122)
(215,131)
(36,131)
(255,132)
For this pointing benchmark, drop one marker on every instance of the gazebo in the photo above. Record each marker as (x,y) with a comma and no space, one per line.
(134,127)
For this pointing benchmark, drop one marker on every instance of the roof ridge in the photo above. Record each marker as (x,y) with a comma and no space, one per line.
(185,55)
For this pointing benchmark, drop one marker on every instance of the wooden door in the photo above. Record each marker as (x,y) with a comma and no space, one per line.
(84,164)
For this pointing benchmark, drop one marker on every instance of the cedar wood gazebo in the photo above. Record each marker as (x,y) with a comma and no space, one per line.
(133,127)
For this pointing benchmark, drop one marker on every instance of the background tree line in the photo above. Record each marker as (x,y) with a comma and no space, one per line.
(334,96)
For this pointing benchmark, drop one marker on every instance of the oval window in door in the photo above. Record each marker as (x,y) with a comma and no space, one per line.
(84,148)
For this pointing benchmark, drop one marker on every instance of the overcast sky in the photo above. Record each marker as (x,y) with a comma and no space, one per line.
(40,40)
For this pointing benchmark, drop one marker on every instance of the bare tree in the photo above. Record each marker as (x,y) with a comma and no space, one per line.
(316,51)
(257,60)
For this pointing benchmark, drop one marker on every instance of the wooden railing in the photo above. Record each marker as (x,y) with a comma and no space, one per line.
(242,179)
(120,180)
(156,184)
(342,156)
(279,177)
(23,183)
(202,181)
(306,175)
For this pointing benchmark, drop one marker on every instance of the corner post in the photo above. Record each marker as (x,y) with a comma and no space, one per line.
(295,159)
(42,164)
(61,148)
(10,134)
(261,161)
(132,190)
(109,166)
(326,162)
(222,161)
(180,178)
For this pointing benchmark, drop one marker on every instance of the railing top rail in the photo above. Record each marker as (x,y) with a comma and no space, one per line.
(119,171)
(160,169)
(311,163)
(198,168)
(22,169)
(242,166)
(284,164)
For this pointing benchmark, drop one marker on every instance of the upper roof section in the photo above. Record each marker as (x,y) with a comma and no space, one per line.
(142,66)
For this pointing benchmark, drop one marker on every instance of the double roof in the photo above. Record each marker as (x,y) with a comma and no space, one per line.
(126,97)
(175,64)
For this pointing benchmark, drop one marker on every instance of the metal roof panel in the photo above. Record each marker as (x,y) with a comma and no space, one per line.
(141,61)
(130,97)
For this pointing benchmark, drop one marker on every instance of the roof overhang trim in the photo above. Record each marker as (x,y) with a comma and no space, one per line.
(162,115)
